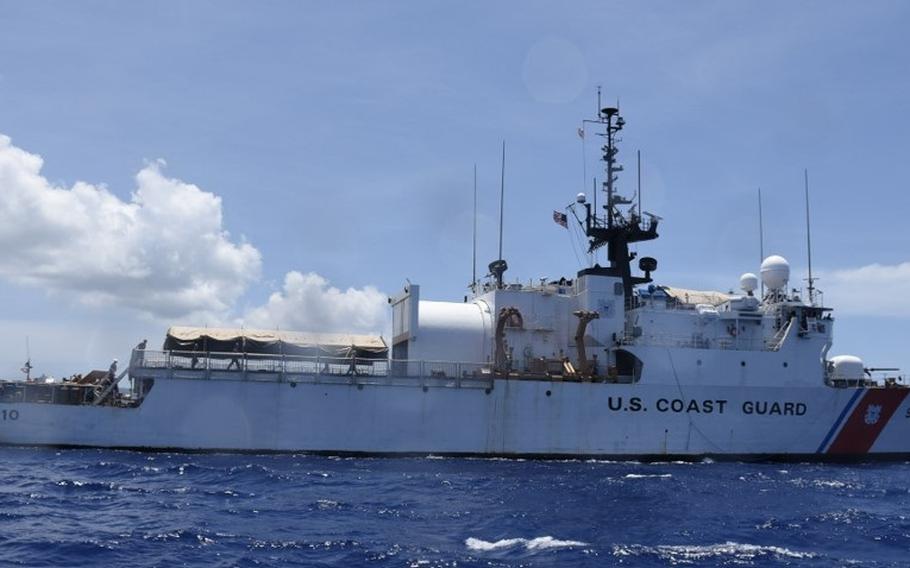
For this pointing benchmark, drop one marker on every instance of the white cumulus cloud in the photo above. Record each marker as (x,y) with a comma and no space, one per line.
(164,253)
(871,290)
(307,302)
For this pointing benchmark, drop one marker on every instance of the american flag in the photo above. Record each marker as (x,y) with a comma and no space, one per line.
(561,219)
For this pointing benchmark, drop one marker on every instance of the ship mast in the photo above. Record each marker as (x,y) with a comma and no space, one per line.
(620,224)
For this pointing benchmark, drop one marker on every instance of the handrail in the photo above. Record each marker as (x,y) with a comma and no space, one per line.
(112,384)
(777,341)
(693,341)
(207,363)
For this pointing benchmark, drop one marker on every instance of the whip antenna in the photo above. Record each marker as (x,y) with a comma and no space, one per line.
(761,239)
(639,182)
(499,266)
(502,195)
(474,241)
(809,239)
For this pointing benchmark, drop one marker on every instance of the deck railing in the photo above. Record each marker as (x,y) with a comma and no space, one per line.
(299,368)
(693,341)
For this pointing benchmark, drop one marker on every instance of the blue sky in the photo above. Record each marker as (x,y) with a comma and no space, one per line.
(335,142)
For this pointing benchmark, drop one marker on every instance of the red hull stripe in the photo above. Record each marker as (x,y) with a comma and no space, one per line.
(866,422)
(840,420)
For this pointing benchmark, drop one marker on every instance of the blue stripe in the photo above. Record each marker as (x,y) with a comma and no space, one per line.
(840,419)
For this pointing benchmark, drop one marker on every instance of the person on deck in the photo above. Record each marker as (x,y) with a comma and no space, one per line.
(235,360)
(112,380)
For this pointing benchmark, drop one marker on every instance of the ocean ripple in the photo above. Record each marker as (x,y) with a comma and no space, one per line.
(119,508)
(688,554)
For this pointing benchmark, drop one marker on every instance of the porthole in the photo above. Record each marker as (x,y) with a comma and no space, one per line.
(742,363)
(425,389)
(487,391)
(786,364)
(698,362)
(549,393)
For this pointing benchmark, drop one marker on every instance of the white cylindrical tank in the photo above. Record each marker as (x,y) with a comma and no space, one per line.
(775,272)
(847,368)
(453,331)
(748,282)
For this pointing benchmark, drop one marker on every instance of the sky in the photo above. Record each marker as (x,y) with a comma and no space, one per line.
(292,164)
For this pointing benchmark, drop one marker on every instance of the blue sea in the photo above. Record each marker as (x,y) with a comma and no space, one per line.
(120,508)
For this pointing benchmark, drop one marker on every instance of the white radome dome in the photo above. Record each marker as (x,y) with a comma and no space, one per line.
(581,198)
(748,282)
(775,272)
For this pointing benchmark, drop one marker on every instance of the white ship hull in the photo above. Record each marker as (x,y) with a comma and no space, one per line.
(515,418)
(644,371)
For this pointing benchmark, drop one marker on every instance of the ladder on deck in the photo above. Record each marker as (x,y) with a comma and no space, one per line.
(100,398)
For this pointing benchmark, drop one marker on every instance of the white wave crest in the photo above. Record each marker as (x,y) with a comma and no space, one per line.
(681,554)
(539,543)
(824,483)
(648,475)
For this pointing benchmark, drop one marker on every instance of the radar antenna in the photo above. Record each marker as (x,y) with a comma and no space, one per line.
(619,225)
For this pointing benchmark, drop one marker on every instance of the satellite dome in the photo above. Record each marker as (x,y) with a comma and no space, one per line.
(581,198)
(748,282)
(775,272)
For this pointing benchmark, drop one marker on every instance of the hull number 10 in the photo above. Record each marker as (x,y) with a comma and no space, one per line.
(9,415)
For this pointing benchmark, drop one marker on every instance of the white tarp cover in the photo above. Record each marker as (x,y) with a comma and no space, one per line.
(274,341)
(695,297)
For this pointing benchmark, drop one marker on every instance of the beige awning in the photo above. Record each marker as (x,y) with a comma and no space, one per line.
(695,297)
(210,339)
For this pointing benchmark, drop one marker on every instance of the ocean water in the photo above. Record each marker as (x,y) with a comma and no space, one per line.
(119,508)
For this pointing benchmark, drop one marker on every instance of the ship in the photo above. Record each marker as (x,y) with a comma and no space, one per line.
(607,363)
